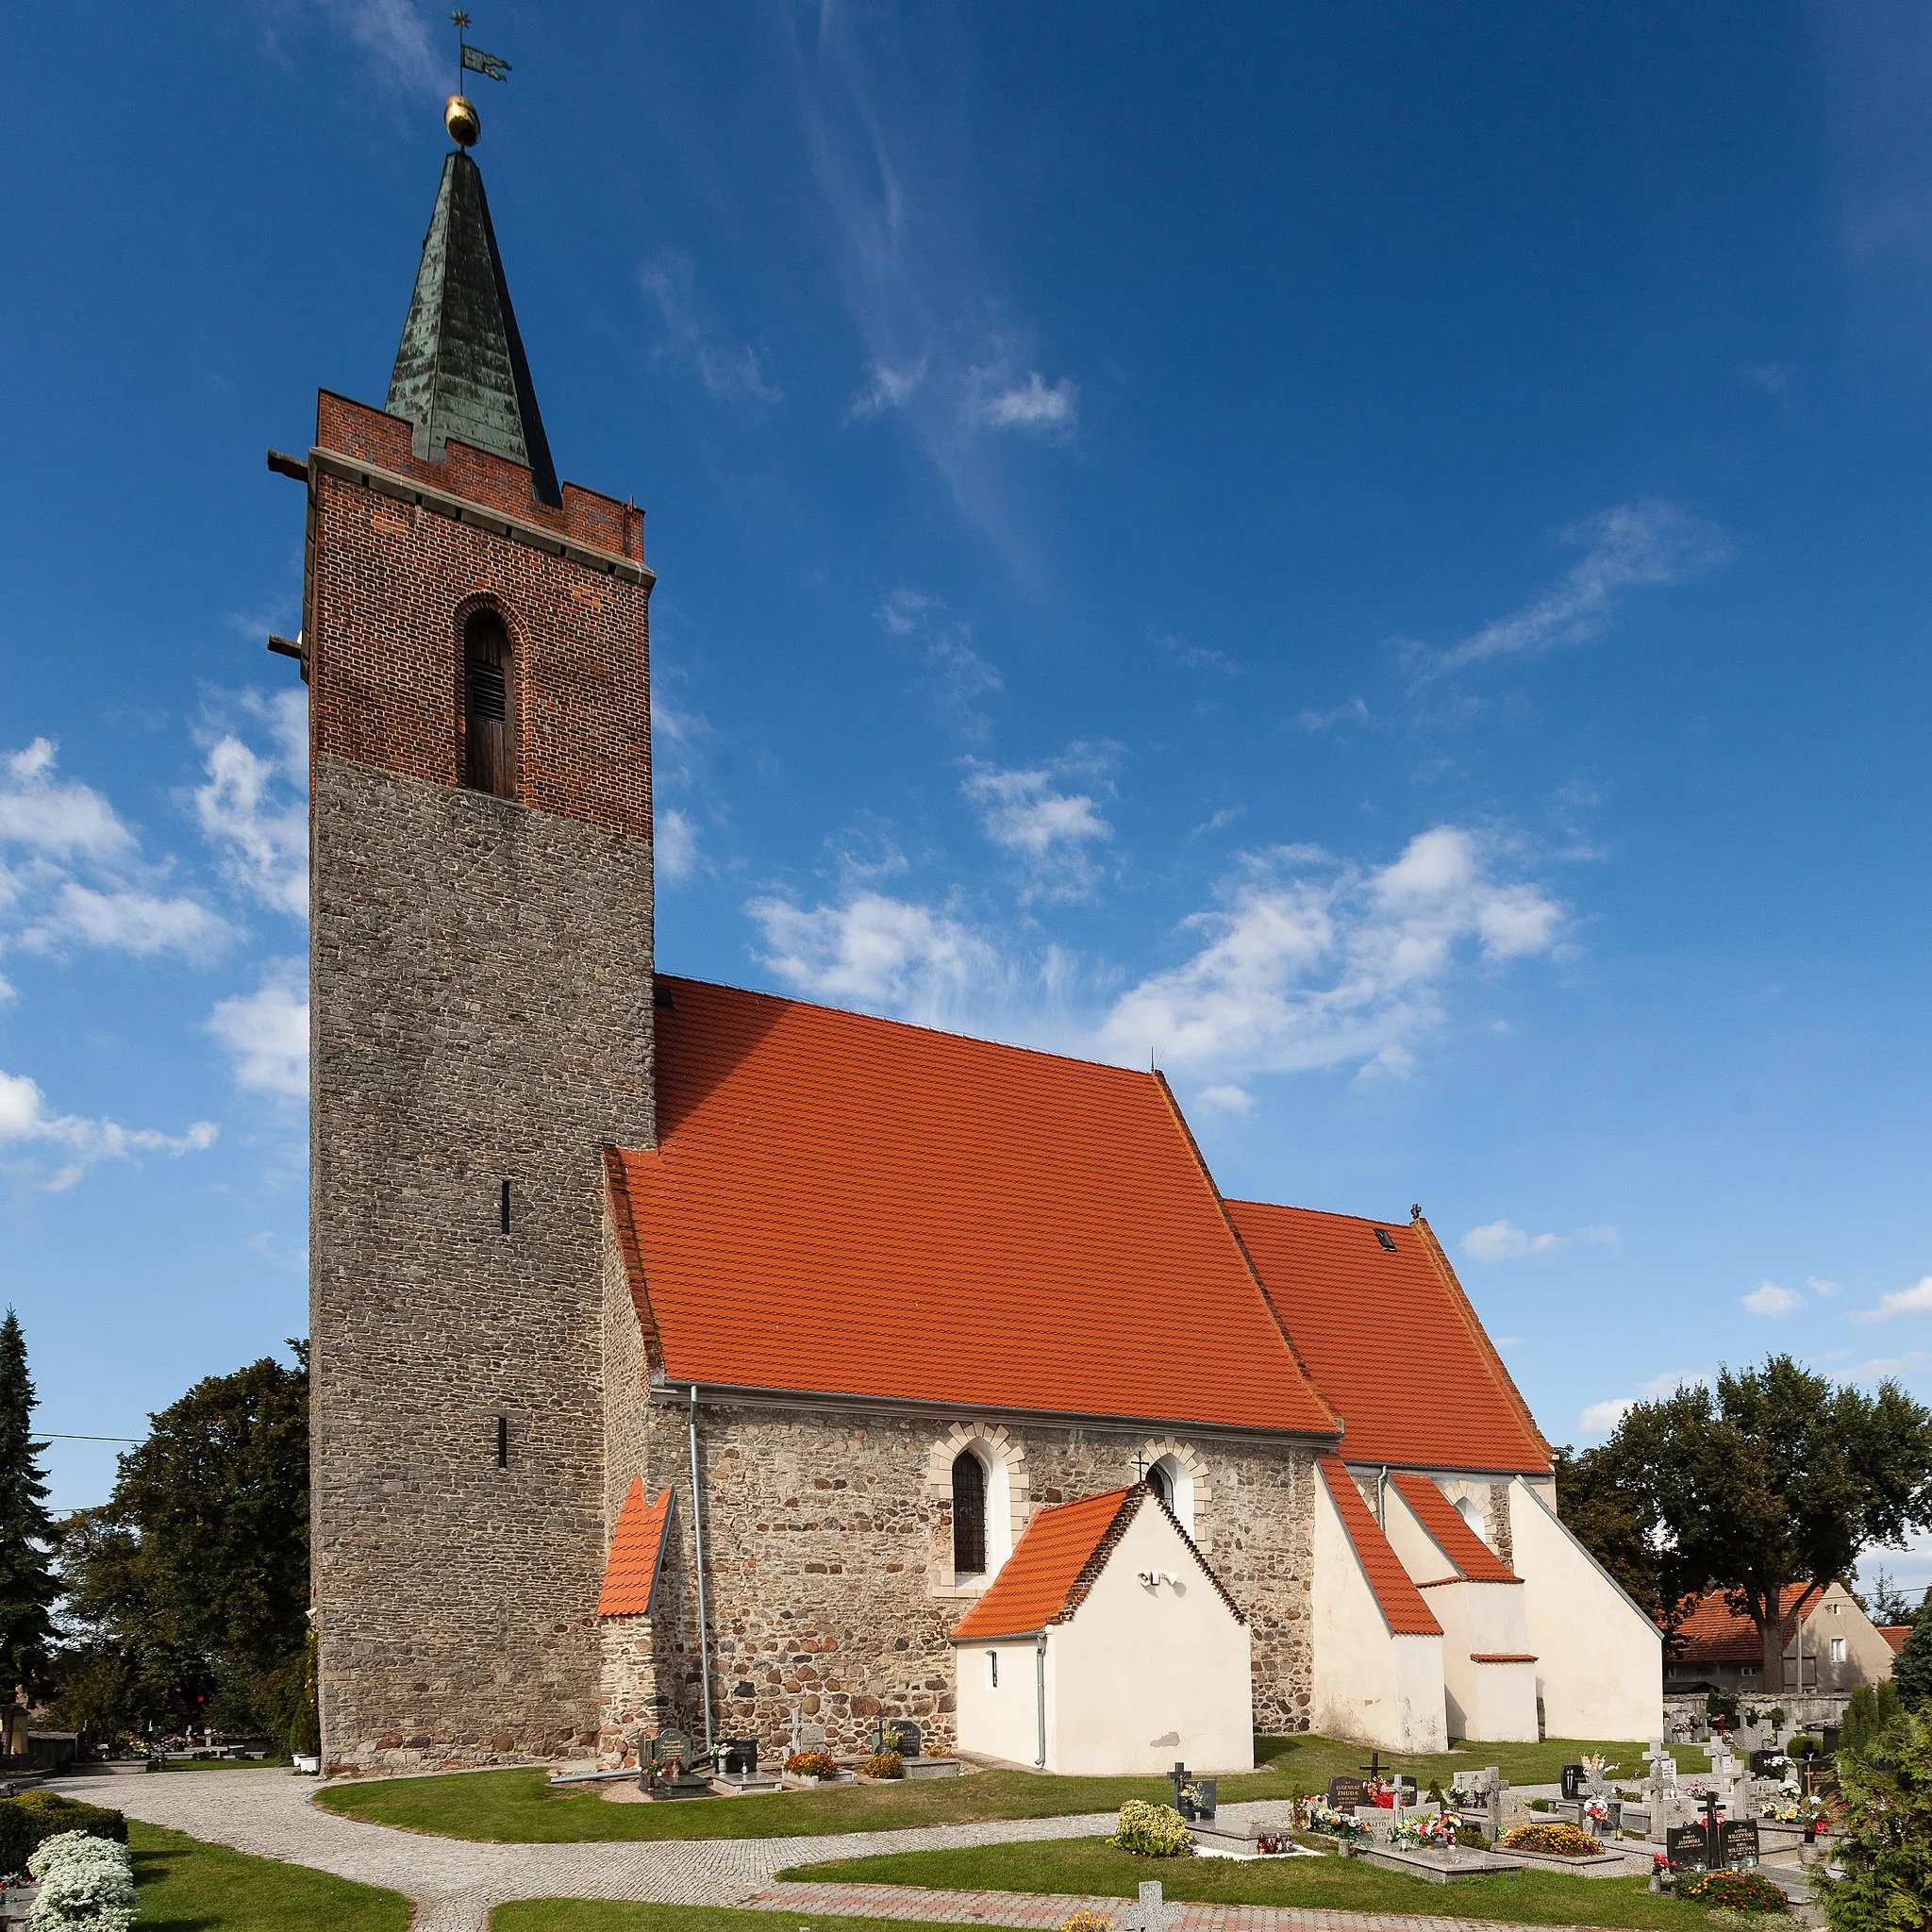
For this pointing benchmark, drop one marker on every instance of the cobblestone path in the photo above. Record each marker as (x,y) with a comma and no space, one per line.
(456,1883)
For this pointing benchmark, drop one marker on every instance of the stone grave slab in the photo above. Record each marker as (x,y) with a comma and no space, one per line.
(1439,1868)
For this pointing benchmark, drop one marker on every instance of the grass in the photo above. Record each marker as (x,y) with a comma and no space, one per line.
(519,1807)
(1529,1897)
(187,1885)
(585,1915)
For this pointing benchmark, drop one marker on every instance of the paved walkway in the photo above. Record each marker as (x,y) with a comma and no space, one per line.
(456,1883)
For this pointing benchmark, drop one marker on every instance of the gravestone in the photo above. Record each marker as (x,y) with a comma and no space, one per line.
(1345,1793)
(1737,1846)
(1573,1781)
(1761,1765)
(741,1756)
(1150,1912)
(1687,1847)
(898,1734)
(672,1750)
(1193,1797)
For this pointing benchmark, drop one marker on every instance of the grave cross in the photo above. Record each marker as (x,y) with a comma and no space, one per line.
(1711,1839)
(1152,1913)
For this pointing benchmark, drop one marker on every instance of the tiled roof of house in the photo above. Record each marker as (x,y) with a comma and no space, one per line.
(1402,1602)
(1896,1634)
(1060,1551)
(1710,1632)
(1390,1339)
(636,1554)
(1460,1543)
(850,1206)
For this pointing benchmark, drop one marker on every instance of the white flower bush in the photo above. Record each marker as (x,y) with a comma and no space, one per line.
(86,1885)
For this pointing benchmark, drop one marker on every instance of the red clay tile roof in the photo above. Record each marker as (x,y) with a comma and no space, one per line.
(1710,1632)
(1390,1340)
(1452,1534)
(1403,1607)
(1051,1566)
(850,1206)
(1896,1634)
(636,1552)
(1502,1656)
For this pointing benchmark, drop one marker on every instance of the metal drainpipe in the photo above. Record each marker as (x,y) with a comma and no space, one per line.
(697,1530)
(1381,1498)
(1040,1694)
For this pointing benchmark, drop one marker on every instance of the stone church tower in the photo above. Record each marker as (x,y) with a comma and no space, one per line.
(475,641)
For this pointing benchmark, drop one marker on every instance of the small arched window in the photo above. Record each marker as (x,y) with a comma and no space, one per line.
(1171,1479)
(1161,1484)
(490,706)
(969,1515)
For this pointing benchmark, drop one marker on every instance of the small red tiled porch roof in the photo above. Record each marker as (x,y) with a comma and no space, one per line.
(847,1205)
(636,1554)
(1710,1632)
(1376,1314)
(1473,1558)
(1402,1605)
(1896,1634)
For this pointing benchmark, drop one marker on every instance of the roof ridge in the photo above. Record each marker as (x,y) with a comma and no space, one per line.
(786,999)
(1480,1335)
(1104,1547)
(1234,1233)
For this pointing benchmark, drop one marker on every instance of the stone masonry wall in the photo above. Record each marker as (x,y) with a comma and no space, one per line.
(828,1560)
(481,1011)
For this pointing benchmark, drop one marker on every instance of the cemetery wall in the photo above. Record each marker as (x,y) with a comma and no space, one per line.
(827,1557)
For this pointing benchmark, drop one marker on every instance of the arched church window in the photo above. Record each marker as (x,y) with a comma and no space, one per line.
(490,705)
(1161,1484)
(1473,1515)
(1172,1481)
(969,1515)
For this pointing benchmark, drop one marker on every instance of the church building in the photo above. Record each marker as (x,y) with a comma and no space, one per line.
(687,1356)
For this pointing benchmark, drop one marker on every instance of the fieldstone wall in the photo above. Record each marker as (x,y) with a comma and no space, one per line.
(481,1013)
(828,1565)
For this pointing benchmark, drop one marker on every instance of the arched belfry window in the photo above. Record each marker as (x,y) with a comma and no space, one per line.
(969,1515)
(490,706)
(1161,1483)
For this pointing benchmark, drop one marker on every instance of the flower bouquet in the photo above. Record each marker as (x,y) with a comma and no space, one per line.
(1422,1834)
(1345,1825)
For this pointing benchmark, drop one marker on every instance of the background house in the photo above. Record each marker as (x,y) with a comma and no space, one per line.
(1829,1644)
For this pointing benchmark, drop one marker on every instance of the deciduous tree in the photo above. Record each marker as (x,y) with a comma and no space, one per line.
(1770,1476)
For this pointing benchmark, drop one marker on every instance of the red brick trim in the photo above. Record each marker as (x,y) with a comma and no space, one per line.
(1499,1656)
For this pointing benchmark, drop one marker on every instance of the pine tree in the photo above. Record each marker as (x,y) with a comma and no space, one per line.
(27,1589)
(1912,1669)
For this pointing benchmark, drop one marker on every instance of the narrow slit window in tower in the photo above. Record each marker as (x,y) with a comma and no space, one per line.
(490,720)
(969,1515)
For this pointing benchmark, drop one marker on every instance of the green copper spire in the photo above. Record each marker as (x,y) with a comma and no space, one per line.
(460,369)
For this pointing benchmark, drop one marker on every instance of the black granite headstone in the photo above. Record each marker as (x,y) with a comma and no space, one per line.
(1573,1780)
(1346,1793)
(1737,1844)
(898,1734)
(1687,1848)
(741,1756)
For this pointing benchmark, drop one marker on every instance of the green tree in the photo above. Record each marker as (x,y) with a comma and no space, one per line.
(1912,1669)
(188,1591)
(1606,1518)
(1885,1848)
(27,1585)
(1772,1476)
(1883,1601)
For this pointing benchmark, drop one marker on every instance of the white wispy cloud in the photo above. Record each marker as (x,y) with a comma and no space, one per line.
(253,808)
(675,856)
(265,1033)
(1600,1418)
(1030,403)
(888,389)
(1625,548)
(399,37)
(1915,1300)
(1503,1240)
(24,1117)
(729,370)
(1227,1097)
(1049,830)
(1770,1300)
(80,880)
(1312,963)
(1354,712)
(958,675)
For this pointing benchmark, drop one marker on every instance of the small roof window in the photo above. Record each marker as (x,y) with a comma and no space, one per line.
(1387,1240)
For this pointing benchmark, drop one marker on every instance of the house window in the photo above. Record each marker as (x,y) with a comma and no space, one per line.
(1838,1650)
(993,1670)
(490,708)
(969,1515)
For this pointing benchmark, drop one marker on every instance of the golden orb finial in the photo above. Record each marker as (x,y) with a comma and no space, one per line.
(464,124)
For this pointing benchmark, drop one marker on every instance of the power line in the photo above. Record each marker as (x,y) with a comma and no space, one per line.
(54,1435)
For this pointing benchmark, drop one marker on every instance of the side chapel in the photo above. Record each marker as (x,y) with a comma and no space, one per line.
(685,1354)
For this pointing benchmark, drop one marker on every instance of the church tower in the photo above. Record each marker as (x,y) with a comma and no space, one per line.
(476,642)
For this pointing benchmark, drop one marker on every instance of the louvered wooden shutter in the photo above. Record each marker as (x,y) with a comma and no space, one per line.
(489,703)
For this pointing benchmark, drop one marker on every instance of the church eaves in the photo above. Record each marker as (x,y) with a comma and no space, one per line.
(460,369)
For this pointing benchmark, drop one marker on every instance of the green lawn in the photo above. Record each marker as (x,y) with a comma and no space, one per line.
(584,1915)
(519,1807)
(187,1885)
(1529,1897)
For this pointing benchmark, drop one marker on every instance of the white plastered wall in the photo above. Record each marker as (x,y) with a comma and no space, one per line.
(1490,1704)
(1599,1667)
(1143,1674)
(1000,1720)
(1370,1684)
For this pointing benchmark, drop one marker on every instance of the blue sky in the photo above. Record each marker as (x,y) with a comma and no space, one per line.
(1379,556)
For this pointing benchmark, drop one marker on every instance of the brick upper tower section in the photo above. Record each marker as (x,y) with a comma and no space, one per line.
(404,551)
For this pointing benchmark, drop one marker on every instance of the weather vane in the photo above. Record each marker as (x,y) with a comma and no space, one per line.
(460,117)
